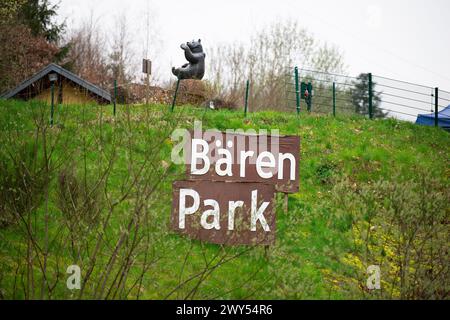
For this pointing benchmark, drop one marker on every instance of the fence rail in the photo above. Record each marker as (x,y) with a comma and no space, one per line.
(368,95)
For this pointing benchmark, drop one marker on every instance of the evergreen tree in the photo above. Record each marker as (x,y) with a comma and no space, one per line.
(360,97)
(39,16)
(29,36)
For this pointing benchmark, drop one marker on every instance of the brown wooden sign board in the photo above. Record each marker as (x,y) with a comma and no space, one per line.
(224,212)
(274,160)
(146,66)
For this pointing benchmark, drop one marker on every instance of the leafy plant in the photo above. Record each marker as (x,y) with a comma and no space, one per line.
(401,225)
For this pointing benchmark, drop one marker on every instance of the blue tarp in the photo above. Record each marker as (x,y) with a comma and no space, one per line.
(428,119)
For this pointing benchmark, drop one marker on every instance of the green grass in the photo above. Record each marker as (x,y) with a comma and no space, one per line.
(310,242)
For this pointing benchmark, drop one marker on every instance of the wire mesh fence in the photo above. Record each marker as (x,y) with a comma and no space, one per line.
(402,99)
(330,93)
(302,90)
(443,102)
(367,95)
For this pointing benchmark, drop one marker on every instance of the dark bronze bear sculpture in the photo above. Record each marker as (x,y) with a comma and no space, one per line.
(195,69)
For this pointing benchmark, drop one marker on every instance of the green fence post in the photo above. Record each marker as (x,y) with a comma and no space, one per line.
(247,89)
(334,99)
(436,107)
(370,97)
(310,97)
(297,90)
(175,95)
(52,110)
(115,96)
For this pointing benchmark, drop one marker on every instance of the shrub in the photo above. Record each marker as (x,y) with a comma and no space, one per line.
(403,227)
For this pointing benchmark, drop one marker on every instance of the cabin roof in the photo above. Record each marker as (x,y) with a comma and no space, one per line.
(93,89)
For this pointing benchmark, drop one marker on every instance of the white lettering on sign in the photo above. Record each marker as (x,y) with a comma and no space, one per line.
(267,164)
(232,206)
(232,179)
(244,156)
(258,213)
(185,211)
(214,213)
(210,219)
(260,164)
(202,155)
(291,158)
(227,160)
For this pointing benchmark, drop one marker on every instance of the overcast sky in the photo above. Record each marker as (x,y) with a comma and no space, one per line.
(408,40)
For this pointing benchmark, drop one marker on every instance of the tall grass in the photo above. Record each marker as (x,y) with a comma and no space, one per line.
(94,190)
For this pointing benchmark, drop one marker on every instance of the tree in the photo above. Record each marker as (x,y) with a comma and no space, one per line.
(360,97)
(150,38)
(86,56)
(39,16)
(22,51)
(120,58)
(23,55)
(9,10)
(267,60)
(28,38)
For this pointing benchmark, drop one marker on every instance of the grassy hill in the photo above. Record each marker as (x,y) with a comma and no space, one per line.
(95,191)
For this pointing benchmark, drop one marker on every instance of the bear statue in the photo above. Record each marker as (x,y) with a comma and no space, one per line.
(195,69)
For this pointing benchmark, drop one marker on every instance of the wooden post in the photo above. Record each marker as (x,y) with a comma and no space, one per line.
(286,203)
(266,252)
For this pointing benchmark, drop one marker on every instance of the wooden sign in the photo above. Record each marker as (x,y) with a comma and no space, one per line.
(245,158)
(224,212)
(146,66)
(229,197)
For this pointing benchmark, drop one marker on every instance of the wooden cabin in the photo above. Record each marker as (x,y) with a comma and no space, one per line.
(68,88)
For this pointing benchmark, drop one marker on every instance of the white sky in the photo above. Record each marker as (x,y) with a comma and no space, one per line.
(407,40)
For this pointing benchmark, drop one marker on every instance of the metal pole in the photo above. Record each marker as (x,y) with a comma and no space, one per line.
(246,98)
(53,102)
(334,99)
(148,89)
(115,96)
(436,107)
(370,97)
(175,95)
(297,90)
(310,97)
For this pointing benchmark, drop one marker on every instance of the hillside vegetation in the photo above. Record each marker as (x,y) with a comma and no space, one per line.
(95,191)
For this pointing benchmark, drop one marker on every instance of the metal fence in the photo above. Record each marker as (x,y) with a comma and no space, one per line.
(368,95)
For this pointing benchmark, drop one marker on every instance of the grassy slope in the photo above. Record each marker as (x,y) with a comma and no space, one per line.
(308,246)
